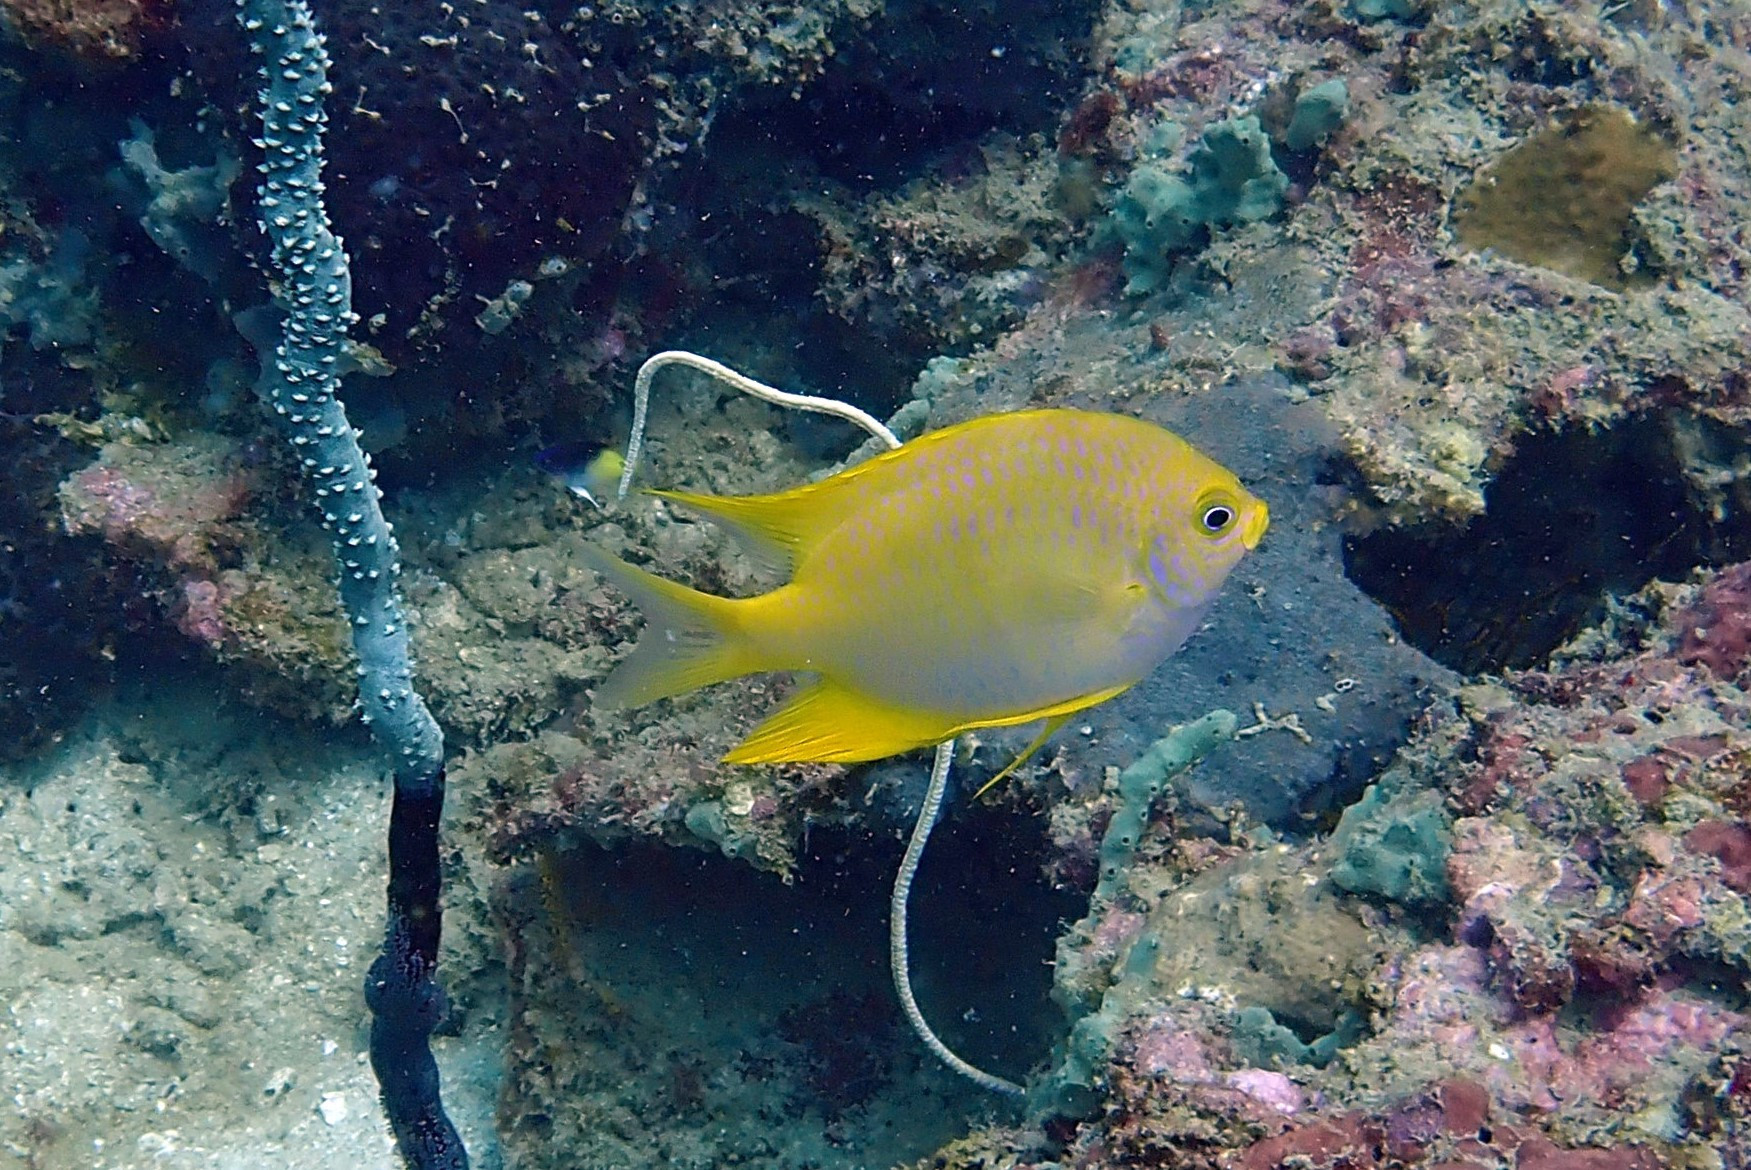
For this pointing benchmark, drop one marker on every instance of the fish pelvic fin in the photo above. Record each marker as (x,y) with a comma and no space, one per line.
(1053,723)
(828,723)
(825,722)
(691,639)
(1055,715)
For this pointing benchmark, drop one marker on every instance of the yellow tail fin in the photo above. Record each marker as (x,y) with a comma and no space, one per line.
(691,639)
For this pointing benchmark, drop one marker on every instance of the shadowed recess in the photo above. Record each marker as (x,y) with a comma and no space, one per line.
(1572,518)
(702,988)
(928,79)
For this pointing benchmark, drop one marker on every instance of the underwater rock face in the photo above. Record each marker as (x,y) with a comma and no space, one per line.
(1574,990)
(102,30)
(180,514)
(1562,197)
(480,143)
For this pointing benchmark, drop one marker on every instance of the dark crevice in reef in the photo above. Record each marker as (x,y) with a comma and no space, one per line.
(911,98)
(802,967)
(929,79)
(984,931)
(1571,519)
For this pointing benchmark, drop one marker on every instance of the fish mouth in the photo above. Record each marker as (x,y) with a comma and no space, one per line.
(1256,523)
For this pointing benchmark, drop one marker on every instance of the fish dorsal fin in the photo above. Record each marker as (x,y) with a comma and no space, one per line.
(778,529)
(781,528)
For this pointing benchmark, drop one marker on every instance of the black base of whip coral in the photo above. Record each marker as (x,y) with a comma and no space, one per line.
(405,999)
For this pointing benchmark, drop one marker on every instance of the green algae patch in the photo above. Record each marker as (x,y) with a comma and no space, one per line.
(1562,198)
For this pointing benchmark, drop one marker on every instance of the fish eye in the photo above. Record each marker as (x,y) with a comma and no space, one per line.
(1216,519)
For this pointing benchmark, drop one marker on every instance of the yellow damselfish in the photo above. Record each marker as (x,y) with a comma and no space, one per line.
(1012,568)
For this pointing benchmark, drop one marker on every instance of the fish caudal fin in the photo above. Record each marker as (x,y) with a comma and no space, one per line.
(691,639)
(826,723)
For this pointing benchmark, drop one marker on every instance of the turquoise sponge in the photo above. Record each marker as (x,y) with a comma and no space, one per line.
(1318,112)
(1394,846)
(1230,178)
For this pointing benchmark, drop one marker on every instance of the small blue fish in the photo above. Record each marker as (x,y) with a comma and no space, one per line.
(589,477)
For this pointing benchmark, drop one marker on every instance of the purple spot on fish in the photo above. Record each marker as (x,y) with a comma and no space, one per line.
(1076,515)
(1158,571)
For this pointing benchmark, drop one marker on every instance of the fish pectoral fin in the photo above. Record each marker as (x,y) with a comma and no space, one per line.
(827,723)
(1064,596)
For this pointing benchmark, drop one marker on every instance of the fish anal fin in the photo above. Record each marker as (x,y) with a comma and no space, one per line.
(1056,715)
(1060,711)
(827,723)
